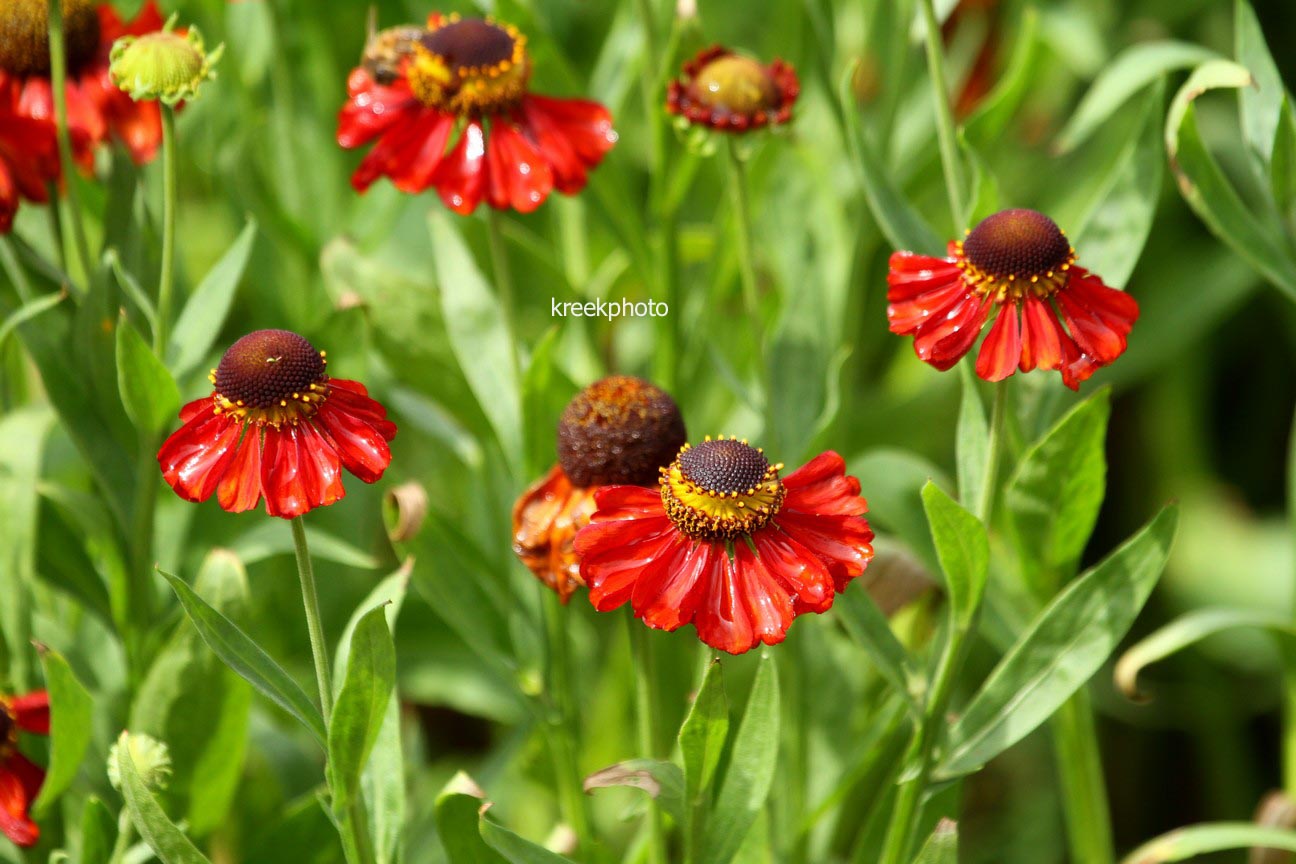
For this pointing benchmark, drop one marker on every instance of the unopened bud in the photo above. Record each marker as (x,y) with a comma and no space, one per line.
(164,66)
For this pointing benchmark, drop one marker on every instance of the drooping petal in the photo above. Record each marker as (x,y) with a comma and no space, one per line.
(1041,343)
(460,179)
(822,486)
(190,410)
(8,198)
(943,343)
(32,712)
(15,799)
(363,448)
(611,567)
(1099,318)
(904,316)
(842,543)
(372,108)
(240,488)
(352,397)
(409,153)
(546,518)
(797,569)
(321,466)
(673,600)
(195,457)
(284,477)
(743,606)
(517,175)
(572,134)
(1002,349)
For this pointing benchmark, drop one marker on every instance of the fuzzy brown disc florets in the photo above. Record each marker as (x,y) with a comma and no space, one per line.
(268,367)
(470,43)
(619,430)
(24,35)
(724,465)
(1017,243)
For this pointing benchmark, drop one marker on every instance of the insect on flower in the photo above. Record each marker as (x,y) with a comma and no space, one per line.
(727,544)
(276,427)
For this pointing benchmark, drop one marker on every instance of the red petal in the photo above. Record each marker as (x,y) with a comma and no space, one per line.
(821,486)
(667,598)
(190,410)
(363,448)
(195,457)
(408,153)
(1041,339)
(461,177)
(517,175)
(1002,349)
(586,126)
(15,798)
(321,466)
(744,605)
(904,316)
(286,474)
(32,712)
(8,199)
(354,399)
(842,543)
(797,569)
(943,343)
(372,108)
(623,502)
(610,567)
(240,489)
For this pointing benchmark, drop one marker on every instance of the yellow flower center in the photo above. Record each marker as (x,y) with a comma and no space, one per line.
(470,66)
(1014,252)
(736,85)
(270,376)
(721,489)
(24,35)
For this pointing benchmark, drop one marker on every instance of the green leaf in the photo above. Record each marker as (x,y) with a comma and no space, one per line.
(479,335)
(457,815)
(1002,105)
(268,538)
(204,314)
(148,392)
(200,707)
(942,846)
(1282,167)
(71,726)
(703,734)
(248,659)
(972,440)
(1183,844)
(1261,104)
(962,547)
(1206,189)
(515,849)
(1110,237)
(867,625)
(1128,73)
(361,704)
(1067,643)
(161,834)
(29,311)
(1054,496)
(663,781)
(1189,630)
(98,828)
(747,780)
(23,434)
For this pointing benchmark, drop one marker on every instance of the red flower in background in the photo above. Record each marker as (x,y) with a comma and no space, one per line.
(277,427)
(417,89)
(97,110)
(1018,268)
(28,156)
(730,92)
(727,545)
(20,779)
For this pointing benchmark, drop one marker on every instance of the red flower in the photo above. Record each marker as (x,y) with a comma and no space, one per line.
(28,156)
(1016,267)
(276,427)
(20,780)
(730,92)
(97,110)
(617,430)
(416,89)
(726,545)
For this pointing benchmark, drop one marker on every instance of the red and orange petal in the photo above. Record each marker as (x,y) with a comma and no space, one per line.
(930,299)
(294,466)
(736,595)
(511,159)
(730,92)
(546,518)
(20,779)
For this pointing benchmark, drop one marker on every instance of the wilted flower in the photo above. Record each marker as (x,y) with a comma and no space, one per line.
(1018,267)
(416,88)
(20,779)
(727,545)
(619,430)
(276,426)
(731,92)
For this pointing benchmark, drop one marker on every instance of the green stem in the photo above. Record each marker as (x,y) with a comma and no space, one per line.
(137,615)
(166,283)
(1084,792)
(1289,714)
(908,805)
(58,83)
(648,727)
(125,834)
(742,216)
(564,721)
(56,224)
(946,136)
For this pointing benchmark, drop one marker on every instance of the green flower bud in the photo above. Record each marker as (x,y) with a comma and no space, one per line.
(151,757)
(165,66)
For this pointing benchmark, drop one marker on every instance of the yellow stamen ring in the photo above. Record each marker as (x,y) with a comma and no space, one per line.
(706,509)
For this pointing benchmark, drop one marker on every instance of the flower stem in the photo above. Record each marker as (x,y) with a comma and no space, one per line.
(166,286)
(125,834)
(1084,794)
(56,224)
(649,727)
(946,136)
(742,213)
(908,806)
(58,83)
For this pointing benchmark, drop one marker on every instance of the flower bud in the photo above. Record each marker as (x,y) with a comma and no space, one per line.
(151,757)
(165,66)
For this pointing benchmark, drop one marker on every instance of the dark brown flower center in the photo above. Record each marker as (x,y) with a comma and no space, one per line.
(8,728)
(24,35)
(470,43)
(268,368)
(1017,243)
(734,84)
(619,430)
(724,466)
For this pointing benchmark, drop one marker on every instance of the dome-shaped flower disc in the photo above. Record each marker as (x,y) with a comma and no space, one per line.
(414,88)
(1018,268)
(730,92)
(727,544)
(276,427)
